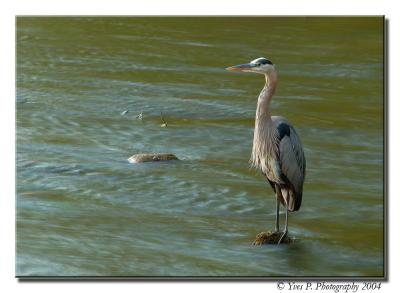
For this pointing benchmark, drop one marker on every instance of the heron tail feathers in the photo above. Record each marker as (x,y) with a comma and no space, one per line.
(292,198)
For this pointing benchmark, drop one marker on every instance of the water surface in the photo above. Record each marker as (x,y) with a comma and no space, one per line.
(83,210)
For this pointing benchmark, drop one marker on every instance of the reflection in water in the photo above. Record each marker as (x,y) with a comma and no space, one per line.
(82,209)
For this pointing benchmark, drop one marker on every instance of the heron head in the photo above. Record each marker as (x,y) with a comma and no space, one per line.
(259,65)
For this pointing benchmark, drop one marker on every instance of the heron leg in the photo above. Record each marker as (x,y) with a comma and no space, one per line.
(285,231)
(277,215)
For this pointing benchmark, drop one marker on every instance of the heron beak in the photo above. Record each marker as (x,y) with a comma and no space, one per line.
(242,67)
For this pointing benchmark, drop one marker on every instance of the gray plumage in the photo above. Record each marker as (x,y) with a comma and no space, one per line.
(277,150)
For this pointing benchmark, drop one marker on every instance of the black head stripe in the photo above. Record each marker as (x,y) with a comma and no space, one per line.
(265,61)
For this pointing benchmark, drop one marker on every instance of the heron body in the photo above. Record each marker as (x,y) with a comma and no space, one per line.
(277,150)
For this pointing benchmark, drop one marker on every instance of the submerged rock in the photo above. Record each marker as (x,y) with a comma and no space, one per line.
(153,157)
(272,237)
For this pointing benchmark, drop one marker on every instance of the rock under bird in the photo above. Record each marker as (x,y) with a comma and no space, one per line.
(277,150)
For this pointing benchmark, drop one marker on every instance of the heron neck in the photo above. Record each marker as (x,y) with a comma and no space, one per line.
(271,79)
(264,132)
(264,99)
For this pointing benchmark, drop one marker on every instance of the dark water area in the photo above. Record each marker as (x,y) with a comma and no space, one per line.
(83,82)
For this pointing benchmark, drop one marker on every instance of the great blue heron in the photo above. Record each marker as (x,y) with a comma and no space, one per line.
(277,150)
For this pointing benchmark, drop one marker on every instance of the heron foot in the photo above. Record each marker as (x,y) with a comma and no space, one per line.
(284,234)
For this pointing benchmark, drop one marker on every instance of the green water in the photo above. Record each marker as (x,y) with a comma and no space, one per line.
(83,210)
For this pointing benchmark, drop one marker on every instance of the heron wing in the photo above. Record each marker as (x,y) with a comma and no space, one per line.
(291,155)
(292,160)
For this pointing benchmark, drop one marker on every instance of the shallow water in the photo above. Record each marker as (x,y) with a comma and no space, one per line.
(83,210)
